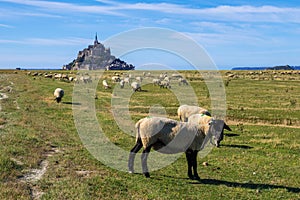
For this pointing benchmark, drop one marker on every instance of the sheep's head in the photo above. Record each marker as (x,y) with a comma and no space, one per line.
(216,129)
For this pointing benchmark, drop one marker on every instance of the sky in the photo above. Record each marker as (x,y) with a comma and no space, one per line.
(49,34)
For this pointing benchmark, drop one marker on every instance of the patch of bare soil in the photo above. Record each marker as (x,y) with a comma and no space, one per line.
(33,175)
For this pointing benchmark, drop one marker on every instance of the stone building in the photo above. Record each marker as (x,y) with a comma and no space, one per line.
(97,56)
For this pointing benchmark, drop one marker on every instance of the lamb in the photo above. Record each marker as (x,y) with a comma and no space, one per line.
(136,87)
(184,111)
(58,93)
(170,136)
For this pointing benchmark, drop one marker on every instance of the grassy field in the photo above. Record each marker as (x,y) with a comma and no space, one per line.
(43,157)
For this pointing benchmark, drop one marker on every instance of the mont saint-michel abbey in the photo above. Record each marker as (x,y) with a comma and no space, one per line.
(95,57)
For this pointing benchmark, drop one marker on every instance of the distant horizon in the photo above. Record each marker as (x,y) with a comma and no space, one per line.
(175,68)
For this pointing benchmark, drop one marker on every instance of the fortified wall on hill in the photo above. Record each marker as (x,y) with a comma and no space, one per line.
(97,56)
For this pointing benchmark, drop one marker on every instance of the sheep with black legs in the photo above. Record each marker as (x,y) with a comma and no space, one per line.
(184,111)
(170,136)
(136,86)
(58,94)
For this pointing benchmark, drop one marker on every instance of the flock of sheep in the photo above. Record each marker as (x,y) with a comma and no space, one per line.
(195,128)
(163,80)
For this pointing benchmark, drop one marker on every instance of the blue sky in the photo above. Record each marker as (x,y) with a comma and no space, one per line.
(49,34)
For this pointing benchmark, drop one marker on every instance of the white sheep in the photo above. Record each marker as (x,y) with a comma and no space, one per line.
(116,78)
(105,84)
(58,93)
(156,81)
(165,84)
(184,111)
(219,124)
(136,87)
(182,81)
(127,80)
(139,79)
(170,136)
(122,83)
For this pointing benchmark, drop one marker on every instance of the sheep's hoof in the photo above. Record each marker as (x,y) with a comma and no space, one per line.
(147,175)
(131,172)
(194,177)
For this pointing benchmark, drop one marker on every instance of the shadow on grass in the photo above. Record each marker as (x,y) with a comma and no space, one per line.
(72,103)
(241,146)
(231,134)
(250,185)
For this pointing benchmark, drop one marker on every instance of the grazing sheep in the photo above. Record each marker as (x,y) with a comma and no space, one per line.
(127,80)
(136,87)
(156,81)
(167,79)
(182,81)
(205,119)
(58,93)
(165,84)
(105,84)
(184,111)
(122,83)
(115,79)
(139,78)
(170,136)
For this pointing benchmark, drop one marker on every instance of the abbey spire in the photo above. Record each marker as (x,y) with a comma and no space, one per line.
(96,40)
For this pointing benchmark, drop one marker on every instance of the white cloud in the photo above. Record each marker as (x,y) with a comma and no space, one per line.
(224,12)
(6,26)
(49,42)
(65,7)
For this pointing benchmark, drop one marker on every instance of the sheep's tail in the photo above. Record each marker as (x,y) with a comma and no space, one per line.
(179,113)
(137,126)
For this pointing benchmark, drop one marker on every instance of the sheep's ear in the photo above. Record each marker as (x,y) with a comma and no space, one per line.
(227,127)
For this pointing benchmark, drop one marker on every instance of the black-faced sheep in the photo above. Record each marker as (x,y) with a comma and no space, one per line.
(116,79)
(156,81)
(184,111)
(165,84)
(170,136)
(136,87)
(219,127)
(58,93)
(182,81)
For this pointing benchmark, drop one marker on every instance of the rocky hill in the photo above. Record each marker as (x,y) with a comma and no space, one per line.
(97,56)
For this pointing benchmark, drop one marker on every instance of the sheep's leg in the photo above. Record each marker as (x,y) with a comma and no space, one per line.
(194,164)
(144,158)
(133,151)
(188,155)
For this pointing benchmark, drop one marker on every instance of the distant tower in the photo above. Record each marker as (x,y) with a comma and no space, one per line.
(96,40)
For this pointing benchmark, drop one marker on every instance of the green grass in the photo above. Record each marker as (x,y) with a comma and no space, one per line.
(258,160)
